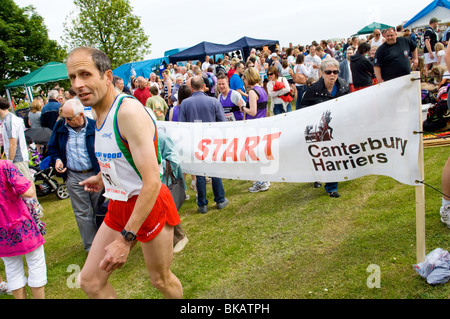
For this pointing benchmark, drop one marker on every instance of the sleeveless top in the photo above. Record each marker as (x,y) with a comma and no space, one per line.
(120,176)
(261,103)
(285,73)
(230,107)
(378,43)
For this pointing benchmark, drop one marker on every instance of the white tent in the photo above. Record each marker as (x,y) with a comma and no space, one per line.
(437,9)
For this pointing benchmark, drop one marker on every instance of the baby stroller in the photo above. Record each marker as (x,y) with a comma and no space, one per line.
(44,180)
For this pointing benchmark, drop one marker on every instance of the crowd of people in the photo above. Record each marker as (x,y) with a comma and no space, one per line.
(118,161)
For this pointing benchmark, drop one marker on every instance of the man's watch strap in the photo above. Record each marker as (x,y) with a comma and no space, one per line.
(128,235)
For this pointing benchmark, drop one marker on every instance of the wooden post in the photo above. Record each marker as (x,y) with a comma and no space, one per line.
(420,190)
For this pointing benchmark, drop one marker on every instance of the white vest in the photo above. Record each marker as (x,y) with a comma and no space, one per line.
(119,173)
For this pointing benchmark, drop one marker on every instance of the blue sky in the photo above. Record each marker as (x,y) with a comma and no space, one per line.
(181,24)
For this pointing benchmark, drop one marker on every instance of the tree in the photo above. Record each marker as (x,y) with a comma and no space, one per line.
(24,43)
(109,26)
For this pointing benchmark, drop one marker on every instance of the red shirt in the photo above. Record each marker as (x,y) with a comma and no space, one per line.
(142,94)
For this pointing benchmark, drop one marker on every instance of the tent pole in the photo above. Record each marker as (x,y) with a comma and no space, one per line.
(29,93)
(10,100)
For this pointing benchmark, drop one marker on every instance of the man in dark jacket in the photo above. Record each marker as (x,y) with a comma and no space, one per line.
(328,87)
(71,148)
(362,69)
(50,111)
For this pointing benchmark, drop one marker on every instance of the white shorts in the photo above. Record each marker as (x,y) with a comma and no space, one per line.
(37,270)
(429,60)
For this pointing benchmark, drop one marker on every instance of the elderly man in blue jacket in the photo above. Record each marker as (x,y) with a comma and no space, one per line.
(202,108)
(71,148)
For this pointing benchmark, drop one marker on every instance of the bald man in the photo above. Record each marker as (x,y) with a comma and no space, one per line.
(71,148)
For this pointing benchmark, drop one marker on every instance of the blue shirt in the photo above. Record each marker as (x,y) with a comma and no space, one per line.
(77,154)
(236,83)
(201,108)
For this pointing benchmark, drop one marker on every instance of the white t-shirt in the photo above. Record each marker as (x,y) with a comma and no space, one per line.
(302,69)
(442,55)
(14,127)
(310,61)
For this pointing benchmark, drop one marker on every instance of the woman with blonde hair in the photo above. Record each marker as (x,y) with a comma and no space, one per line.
(440,53)
(256,108)
(34,116)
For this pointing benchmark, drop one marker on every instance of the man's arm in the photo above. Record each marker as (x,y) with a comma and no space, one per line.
(12,148)
(377,70)
(415,59)
(242,93)
(430,50)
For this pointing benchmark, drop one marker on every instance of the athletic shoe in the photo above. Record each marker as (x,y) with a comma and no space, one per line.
(4,289)
(193,186)
(445,215)
(223,204)
(180,245)
(334,194)
(203,209)
(259,187)
(317,184)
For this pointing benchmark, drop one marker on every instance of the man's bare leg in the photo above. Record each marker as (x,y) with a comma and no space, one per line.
(158,255)
(446,180)
(92,279)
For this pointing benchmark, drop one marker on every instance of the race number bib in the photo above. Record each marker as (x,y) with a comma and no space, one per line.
(113,187)
(230,117)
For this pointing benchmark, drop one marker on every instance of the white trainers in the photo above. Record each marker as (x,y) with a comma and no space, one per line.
(194,186)
(445,215)
(259,187)
(180,245)
(4,288)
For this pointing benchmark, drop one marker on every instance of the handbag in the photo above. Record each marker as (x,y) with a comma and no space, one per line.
(176,187)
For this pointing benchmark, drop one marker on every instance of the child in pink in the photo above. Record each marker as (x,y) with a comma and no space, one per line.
(19,233)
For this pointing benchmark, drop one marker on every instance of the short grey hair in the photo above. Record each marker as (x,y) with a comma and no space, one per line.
(53,94)
(76,106)
(327,62)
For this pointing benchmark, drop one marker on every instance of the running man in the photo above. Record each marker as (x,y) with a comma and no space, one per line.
(141,208)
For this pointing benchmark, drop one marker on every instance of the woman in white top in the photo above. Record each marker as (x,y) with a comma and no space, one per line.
(440,53)
(305,72)
(377,39)
(278,106)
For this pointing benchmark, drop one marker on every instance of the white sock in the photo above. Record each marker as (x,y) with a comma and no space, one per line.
(445,202)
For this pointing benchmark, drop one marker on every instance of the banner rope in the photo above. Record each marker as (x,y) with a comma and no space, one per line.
(423,182)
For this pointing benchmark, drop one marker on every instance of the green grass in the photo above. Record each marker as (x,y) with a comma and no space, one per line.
(291,242)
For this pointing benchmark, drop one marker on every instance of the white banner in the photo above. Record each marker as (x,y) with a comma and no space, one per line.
(368,132)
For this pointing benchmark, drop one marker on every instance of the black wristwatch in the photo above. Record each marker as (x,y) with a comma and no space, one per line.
(128,235)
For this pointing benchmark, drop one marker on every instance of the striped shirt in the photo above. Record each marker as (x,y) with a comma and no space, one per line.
(76,149)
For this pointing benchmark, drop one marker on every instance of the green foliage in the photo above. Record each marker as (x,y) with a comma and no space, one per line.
(109,26)
(24,43)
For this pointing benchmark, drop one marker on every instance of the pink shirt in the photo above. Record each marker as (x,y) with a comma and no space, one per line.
(19,233)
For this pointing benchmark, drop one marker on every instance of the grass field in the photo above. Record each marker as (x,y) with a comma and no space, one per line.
(291,242)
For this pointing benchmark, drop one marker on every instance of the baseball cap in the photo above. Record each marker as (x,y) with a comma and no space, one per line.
(433,20)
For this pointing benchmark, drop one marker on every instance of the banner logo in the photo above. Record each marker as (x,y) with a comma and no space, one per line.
(321,132)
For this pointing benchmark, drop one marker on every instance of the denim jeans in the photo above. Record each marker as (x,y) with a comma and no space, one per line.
(331,187)
(300,91)
(217,186)
(278,109)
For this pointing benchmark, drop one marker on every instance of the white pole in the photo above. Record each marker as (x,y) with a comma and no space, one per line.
(10,100)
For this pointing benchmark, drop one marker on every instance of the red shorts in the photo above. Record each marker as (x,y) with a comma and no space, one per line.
(164,211)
